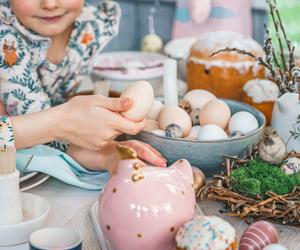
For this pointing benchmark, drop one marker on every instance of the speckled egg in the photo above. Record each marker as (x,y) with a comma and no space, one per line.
(175,115)
(199,97)
(193,135)
(184,104)
(275,247)
(215,112)
(159,132)
(155,110)
(243,122)
(174,131)
(212,132)
(194,115)
(258,235)
(142,95)
(151,125)
(291,166)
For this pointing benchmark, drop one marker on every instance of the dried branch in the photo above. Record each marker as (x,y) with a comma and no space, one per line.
(273,9)
(282,67)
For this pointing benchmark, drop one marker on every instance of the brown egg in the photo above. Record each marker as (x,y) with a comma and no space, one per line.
(154,112)
(151,125)
(215,112)
(142,95)
(175,115)
(199,97)
(258,235)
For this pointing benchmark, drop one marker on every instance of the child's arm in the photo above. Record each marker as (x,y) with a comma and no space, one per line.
(86,121)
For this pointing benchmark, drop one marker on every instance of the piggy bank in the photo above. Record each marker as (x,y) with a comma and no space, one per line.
(142,207)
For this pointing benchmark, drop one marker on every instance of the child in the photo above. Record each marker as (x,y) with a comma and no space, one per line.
(46,49)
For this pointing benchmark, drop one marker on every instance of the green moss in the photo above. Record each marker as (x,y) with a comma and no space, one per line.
(259,177)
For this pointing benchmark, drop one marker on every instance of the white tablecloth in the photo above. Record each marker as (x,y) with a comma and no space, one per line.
(70,207)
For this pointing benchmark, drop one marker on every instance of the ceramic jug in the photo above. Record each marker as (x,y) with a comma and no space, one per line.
(142,207)
(284,119)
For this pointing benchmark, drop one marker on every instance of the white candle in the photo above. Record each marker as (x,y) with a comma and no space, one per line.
(170,82)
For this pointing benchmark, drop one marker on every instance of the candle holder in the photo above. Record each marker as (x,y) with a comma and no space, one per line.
(7,160)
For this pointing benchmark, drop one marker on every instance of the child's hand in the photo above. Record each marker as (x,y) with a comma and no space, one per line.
(107,158)
(92,121)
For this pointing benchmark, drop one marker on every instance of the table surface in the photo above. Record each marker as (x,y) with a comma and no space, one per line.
(70,208)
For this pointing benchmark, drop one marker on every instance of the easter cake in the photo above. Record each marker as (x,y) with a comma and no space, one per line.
(226,73)
(206,233)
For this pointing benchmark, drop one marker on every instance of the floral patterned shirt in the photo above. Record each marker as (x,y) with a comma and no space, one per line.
(29,82)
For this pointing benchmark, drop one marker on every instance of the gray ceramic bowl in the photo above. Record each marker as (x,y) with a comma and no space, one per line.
(207,155)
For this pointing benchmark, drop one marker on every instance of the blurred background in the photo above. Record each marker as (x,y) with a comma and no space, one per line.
(134,25)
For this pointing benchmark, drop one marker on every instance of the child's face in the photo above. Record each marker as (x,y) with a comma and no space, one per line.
(47,17)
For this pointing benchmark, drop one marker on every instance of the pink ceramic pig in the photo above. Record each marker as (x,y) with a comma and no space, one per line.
(142,207)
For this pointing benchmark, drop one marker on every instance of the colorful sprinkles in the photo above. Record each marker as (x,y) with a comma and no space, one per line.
(205,233)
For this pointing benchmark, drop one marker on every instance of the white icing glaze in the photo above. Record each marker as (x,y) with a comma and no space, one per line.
(206,233)
(213,41)
(261,90)
(241,66)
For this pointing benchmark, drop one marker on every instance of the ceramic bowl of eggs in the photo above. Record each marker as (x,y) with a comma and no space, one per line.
(202,128)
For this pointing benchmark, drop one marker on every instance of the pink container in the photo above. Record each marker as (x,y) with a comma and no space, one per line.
(143,207)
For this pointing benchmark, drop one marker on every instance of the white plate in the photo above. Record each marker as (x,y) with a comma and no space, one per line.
(35,212)
(127,59)
(120,79)
(25,177)
(34,181)
(101,239)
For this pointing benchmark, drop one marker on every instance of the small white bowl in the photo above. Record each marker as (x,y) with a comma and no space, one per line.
(35,212)
(139,65)
(55,238)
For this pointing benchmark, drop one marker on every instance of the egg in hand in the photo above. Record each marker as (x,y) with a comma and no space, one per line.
(142,95)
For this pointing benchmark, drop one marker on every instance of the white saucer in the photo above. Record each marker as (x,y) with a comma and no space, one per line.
(101,238)
(33,181)
(35,212)
(25,177)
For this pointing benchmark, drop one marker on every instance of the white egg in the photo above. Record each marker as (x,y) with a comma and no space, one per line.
(243,122)
(155,110)
(142,95)
(199,97)
(212,132)
(175,115)
(194,133)
(159,132)
(275,247)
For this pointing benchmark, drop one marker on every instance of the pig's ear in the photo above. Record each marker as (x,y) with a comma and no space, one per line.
(200,10)
(126,153)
